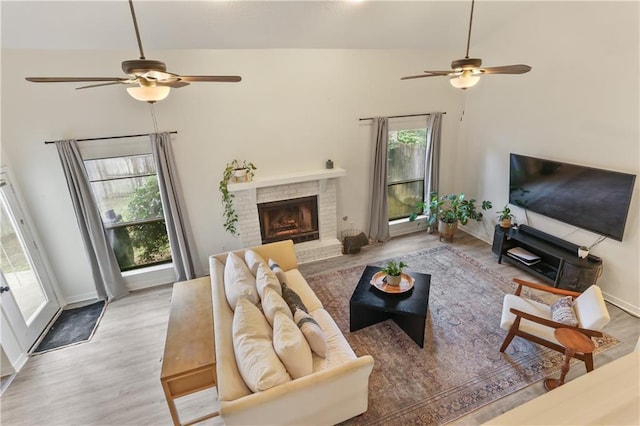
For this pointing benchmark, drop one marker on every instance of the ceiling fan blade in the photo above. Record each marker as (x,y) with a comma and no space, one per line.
(430,74)
(507,69)
(174,84)
(72,79)
(102,84)
(211,78)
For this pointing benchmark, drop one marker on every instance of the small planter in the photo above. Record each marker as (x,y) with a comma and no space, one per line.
(505,223)
(240,175)
(583,252)
(394,279)
(447,229)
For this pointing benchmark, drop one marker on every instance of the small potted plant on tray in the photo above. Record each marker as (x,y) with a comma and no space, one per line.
(394,272)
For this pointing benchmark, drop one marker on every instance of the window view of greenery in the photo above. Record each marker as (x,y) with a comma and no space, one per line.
(405,169)
(126,190)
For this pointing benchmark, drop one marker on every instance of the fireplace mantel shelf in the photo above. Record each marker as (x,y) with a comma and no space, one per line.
(305,176)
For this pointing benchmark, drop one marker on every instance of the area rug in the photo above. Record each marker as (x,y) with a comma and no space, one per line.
(73,326)
(460,368)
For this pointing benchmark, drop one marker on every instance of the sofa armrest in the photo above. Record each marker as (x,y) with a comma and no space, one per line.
(325,397)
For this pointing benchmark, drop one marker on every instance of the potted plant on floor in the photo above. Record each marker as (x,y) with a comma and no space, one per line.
(449,210)
(236,172)
(504,216)
(394,272)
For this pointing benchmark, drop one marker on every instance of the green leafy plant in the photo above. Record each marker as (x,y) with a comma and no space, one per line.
(149,238)
(505,213)
(451,208)
(229,213)
(394,268)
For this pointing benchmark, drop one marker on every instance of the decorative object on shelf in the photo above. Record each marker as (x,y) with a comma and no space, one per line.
(583,252)
(448,210)
(234,171)
(505,216)
(393,272)
(329,164)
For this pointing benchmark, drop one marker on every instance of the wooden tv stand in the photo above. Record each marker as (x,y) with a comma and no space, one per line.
(559,262)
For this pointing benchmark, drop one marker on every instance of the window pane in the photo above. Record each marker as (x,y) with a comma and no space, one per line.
(403,197)
(128,197)
(407,151)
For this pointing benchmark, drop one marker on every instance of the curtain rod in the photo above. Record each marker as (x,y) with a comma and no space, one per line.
(113,137)
(400,116)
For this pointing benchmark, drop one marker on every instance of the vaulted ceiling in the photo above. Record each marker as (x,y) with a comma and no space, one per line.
(89,24)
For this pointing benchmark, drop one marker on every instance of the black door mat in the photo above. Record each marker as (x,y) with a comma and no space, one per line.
(73,326)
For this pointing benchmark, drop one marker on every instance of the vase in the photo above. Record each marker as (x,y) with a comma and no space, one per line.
(394,279)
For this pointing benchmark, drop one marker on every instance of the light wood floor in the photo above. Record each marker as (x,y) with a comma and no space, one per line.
(115,378)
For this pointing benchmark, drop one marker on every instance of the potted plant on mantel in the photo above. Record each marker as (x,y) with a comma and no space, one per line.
(448,210)
(394,272)
(236,172)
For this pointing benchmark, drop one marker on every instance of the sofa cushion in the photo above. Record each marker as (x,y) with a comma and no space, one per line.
(266,278)
(338,349)
(291,346)
(272,302)
(312,332)
(253,259)
(239,281)
(259,365)
(296,282)
(562,311)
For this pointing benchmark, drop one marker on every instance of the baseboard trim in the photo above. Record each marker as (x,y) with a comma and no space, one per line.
(627,307)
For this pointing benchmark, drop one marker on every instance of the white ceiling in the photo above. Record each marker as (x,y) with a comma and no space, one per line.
(90,24)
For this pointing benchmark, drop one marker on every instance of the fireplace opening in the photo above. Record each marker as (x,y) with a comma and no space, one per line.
(295,219)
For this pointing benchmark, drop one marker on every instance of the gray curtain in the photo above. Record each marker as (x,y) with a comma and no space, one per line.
(106,273)
(432,163)
(183,250)
(378,212)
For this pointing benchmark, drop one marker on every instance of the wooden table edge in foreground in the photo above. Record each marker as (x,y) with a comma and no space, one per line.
(189,361)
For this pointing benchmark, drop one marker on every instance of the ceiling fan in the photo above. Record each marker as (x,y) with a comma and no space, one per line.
(466,72)
(151,76)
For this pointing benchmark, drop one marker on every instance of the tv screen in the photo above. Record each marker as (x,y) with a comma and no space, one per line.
(593,199)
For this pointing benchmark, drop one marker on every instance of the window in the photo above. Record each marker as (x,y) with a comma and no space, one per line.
(126,190)
(405,167)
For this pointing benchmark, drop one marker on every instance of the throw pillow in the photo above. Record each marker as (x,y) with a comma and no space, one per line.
(253,259)
(293,299)
(291,346)
(257,361)
(266,278)
(562,311)
(278,271)
(272,302)
(312,332)
(238,281)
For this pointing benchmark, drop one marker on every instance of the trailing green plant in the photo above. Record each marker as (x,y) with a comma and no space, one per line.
(229,213)
(451,208)
(394,268)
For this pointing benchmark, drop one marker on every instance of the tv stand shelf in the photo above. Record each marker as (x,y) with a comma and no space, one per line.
(559,262)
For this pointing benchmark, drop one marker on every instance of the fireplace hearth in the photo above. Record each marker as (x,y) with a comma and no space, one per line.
(295,219)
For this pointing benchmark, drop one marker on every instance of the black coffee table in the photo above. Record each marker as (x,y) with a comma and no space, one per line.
(369,305)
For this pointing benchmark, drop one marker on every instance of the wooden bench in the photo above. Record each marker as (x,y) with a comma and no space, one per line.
(189,361)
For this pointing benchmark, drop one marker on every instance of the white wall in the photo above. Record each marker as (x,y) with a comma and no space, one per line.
(579,104)
(293,110)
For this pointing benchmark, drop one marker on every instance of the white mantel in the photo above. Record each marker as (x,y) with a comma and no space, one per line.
(298,177)
(322,183)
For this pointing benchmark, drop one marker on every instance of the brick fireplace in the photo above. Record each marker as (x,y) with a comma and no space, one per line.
(282,207)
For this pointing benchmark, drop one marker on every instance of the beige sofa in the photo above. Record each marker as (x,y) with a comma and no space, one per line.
(336,390)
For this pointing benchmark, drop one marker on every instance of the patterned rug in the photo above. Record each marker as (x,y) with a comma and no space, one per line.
(460,368)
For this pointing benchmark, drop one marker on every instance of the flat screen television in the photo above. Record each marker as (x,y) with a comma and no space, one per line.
(593,199)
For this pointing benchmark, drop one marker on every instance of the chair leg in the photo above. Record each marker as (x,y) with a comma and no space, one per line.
(510,335)
(588,362)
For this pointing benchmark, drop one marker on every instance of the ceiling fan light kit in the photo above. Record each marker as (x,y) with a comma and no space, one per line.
(153,80)
(149,94)
(466,72)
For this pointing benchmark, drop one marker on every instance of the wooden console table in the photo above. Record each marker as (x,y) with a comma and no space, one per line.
(189,361)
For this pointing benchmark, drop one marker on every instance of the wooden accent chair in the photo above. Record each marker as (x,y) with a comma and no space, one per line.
(533,321)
